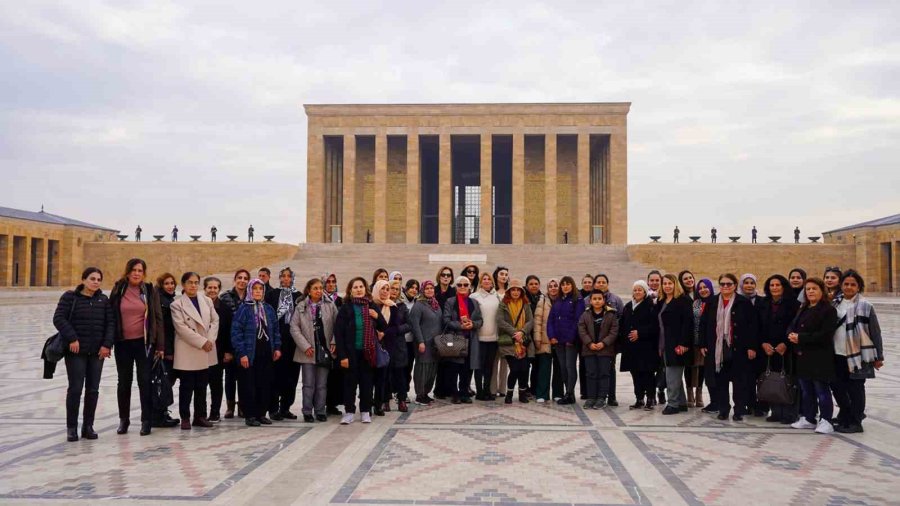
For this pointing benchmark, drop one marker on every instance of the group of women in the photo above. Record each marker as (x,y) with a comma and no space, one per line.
(252,344)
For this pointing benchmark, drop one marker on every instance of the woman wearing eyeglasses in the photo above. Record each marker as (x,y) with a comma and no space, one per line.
(473,273)
(461,314)
(729,324)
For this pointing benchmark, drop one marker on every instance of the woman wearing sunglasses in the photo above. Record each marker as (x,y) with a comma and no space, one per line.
(730,345)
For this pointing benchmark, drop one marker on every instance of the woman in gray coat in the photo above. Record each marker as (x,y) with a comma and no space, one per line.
(425,323)
(312,327)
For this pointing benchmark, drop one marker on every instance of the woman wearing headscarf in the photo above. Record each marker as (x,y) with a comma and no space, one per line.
(395,276)
(638,341)
(256,339)
(514,324)
(335,390)
(425,323)
(729,327)
(694,371)
(354,337)
(748,285)
(776,311)
(408,297)
(796,278)
(286,373)
(482,359)
(389,337)
(312,330)
(858,352)
(395,344)
(462,314)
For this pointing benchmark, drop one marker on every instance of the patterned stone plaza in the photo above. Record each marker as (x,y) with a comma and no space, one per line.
(485,453)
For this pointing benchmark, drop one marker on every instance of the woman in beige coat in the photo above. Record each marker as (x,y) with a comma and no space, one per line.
(514,323)
(312,328)
(196,327)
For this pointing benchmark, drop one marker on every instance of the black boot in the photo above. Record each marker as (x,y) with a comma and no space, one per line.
(87,432)
(523,397)
(509,394)
(123,426)
(72,434)
(145,428)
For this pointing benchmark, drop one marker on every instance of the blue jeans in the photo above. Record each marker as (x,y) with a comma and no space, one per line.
(816,393)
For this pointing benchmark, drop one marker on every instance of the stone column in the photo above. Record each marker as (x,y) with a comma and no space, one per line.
(380,188)
(413,190)
(26,268)
(518,188)
(315,190)
(485,232)
(616,226)
(550,235)
(8,260)
(583,199)
(445,190)
(40,278)
(348,226)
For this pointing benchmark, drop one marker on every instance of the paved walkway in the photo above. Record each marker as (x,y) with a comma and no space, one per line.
(446,454)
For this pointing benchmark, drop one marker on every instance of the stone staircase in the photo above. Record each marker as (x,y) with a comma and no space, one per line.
(422,261)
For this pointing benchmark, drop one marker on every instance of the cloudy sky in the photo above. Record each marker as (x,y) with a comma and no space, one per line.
(161,112)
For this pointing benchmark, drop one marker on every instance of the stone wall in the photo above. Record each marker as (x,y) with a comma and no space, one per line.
(177,258)
(763,260)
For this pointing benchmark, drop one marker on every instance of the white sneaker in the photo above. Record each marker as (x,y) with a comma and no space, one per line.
(557,399)
(347,419)
(366,418)
(540,401)
(802,423)
(824,427)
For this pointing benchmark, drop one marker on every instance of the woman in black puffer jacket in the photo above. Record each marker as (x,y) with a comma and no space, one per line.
(84,319)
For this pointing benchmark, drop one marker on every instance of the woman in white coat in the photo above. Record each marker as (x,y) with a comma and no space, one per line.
(196,327)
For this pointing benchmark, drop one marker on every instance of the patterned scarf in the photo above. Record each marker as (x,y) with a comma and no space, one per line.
(286,302)
(333,295)
(259,307)
(432,301)
(724,334)
(858,345)
(368,331)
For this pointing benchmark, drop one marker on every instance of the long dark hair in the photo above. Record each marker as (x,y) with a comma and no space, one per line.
(571,281)
(130,265)
(681,282)
(365,285)
(496,281)
(377,273)
(785,286)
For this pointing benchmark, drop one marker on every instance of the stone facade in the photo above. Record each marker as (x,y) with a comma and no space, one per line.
(561,169)
(42,253)
(179,257)
(877,247)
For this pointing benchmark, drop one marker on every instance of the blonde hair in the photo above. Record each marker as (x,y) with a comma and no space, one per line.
(677,292)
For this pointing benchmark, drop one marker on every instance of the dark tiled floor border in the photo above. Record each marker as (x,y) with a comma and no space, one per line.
(579,412)
(671,478)
(214,492)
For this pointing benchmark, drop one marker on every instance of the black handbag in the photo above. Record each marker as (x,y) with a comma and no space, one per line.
(160,387)
(55,347)
(323,355)
(776,387)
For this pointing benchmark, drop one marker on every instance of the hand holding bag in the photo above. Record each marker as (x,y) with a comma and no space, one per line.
(323,355)
(55,347)
(776,387)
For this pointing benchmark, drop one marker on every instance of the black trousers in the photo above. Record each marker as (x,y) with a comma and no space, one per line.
(399,382)
(192,384)
(611,395)
(453,379)
(597,387)
(644,385)
(334,390)
(130,355)
(754,369)
(216,390)
(557,375)
(359,374)
(483,376)
(439,384)
(231,372)
(255,382)
(83,371)
(382,390)
(850,394)
(735,374)
(518,372)
(161,412)
(286,375)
